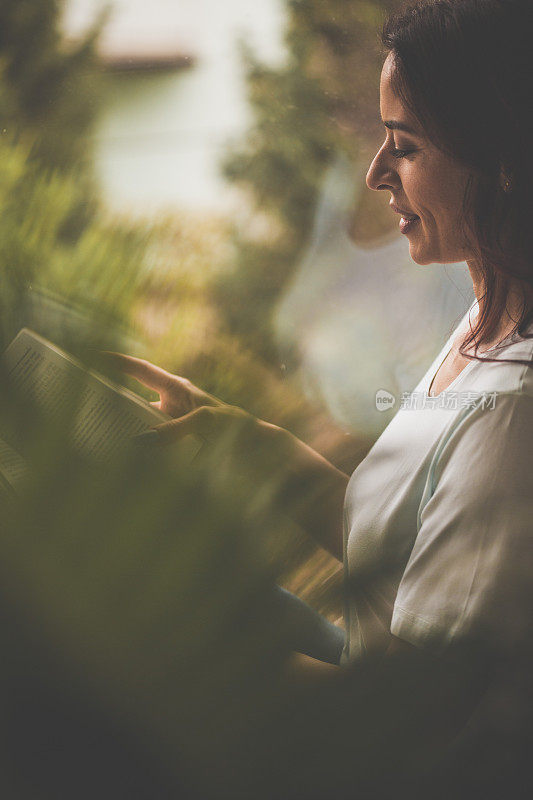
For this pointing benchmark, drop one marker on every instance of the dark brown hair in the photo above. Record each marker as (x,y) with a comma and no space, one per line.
(464,69)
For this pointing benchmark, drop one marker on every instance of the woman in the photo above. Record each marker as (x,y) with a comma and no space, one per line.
(437,517)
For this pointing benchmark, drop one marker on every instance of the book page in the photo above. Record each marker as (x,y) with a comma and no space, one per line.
(13,468)
(107,415)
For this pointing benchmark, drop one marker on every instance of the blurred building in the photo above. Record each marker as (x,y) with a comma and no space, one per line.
(163,133)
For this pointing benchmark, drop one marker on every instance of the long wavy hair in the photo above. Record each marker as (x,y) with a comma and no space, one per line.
(464,69)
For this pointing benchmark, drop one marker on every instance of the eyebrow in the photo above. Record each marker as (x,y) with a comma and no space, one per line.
(393,125)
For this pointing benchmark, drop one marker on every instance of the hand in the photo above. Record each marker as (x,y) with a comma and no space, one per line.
(198,413)
(302,482)
(177,396)
(265,451)
(233,425)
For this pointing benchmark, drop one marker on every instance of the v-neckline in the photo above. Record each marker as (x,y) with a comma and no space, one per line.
(449,349)
(466,366)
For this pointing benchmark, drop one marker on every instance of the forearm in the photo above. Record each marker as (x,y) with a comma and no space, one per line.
(315,498)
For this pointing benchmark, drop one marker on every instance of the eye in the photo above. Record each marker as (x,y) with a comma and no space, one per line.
(401,153)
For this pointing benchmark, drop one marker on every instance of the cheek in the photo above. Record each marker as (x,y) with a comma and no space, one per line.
(438,199)
(419,183)
(451,183)
(435,180)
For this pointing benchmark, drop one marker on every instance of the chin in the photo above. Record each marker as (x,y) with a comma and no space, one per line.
(421,258)
(425,257)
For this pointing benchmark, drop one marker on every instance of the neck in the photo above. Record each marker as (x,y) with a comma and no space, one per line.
(519,299)
(477,281)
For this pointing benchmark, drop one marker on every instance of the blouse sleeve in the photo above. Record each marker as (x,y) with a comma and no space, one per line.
(470,573)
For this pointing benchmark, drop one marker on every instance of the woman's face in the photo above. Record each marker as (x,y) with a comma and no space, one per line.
(427,187)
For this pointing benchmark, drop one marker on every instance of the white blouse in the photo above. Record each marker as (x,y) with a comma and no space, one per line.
(438,541)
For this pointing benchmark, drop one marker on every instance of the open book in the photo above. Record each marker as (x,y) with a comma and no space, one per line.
(107,415)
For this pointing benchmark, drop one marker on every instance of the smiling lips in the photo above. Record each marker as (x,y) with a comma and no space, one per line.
(407,221)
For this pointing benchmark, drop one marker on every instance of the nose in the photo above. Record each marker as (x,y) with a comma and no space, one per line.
(381,174)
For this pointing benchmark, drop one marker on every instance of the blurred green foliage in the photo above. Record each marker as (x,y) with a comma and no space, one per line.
(98,269)
(47,85)
(138,621)
(54,235)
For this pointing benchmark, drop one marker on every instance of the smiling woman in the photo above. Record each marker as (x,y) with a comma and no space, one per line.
(455,163)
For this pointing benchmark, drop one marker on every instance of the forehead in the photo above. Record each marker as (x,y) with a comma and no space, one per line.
(392,106)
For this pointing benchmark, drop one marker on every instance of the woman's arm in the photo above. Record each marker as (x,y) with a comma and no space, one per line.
(310,489)
(322,492)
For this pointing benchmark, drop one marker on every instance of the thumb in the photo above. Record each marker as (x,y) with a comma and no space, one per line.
(201,423)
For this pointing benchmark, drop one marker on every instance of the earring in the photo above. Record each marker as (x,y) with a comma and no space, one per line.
(505,181)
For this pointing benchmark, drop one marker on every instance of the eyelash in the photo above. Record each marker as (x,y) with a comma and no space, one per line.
(401,153)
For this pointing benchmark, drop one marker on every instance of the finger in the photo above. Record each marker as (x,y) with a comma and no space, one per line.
(146,373)
(201,422)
